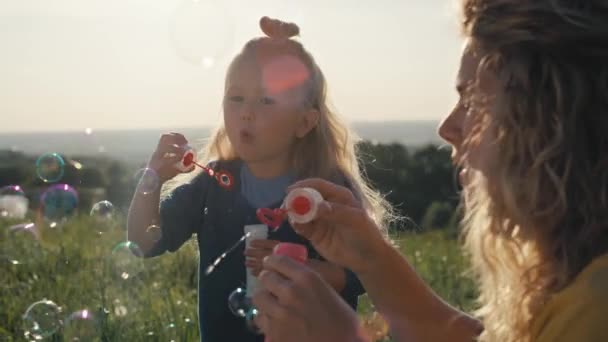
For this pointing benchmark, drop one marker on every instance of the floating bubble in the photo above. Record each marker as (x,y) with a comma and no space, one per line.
(171,331)
(12,190)
(42,319)
(201,31)
(238,302)
(29,228)
(127,260)
(50,167)
(58,202)
(81,326)
(24,245)
(147,181)
(121,311)
(103,211)
(154,232)
(375,326)
(13,203)
(250,320)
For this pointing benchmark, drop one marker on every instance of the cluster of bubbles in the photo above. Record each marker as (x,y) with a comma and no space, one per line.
(45,318)
(57,203)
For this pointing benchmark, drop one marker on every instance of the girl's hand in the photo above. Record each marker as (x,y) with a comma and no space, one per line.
(256,252)
(168,152)
(343,232)
(296,304)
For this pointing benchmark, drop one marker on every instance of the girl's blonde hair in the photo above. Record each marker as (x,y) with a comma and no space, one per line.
(544,217)
(328,150)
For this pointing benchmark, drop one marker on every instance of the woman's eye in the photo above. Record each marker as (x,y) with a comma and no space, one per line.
(267,101)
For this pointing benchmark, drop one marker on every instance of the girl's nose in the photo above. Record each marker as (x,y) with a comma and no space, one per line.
(248,112)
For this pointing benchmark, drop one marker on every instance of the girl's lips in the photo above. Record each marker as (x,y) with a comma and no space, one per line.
(246,136)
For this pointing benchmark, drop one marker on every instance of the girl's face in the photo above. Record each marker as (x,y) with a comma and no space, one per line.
(471,126)
(263,106)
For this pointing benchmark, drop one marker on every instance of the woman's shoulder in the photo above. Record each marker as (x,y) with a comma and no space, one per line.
(595,277)
(578,312)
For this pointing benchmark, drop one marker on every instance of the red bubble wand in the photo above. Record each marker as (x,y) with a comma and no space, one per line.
(224,178)
(300,206)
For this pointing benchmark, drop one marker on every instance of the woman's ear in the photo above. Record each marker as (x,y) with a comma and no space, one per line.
(308,122)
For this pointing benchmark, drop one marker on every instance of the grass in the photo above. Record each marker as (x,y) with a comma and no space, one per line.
(73,265)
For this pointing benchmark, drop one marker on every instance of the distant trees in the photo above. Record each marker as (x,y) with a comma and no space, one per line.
(412,180)
(419,182)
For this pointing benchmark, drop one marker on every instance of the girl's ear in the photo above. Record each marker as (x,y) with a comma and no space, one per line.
(309,120)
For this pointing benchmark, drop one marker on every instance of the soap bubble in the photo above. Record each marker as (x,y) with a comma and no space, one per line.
(42,319)
(375,326)
(50,167)
(81,326)
(24,246)
(13,203)
(147,181)
(250,320)
(103,211)
(127,260)
(171,331)
(29,228)
(238,302)
(201,31)
(154,232)
(58,202)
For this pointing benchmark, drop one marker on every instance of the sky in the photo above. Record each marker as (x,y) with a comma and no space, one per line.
(130,64)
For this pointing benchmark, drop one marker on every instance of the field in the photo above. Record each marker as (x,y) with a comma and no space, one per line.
(81,264)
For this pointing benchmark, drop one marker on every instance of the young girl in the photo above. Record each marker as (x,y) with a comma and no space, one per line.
(277,129)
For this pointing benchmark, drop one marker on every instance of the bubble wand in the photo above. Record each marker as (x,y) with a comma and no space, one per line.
(300,206)
(188,162)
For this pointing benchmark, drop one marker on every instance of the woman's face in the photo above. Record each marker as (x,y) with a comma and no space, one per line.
(470,128)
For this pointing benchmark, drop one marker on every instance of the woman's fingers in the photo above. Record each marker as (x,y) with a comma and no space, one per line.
(269,305)
(334,216)
(331,192)
(291,271)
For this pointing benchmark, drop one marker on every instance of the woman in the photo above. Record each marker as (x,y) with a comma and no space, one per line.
(530,135)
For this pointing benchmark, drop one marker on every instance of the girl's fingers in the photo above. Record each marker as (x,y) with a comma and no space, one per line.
(263,243)
(257,253)
(251,263)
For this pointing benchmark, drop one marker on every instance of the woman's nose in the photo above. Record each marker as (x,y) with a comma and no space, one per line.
(450,129)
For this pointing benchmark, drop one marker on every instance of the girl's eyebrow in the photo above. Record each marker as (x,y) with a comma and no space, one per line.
(233,88)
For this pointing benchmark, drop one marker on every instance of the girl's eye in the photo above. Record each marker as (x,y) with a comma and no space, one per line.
(235,98)
(267,101)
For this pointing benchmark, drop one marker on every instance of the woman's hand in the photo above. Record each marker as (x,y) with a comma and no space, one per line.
(256,252)
(168,152)
(343,232)
(296,304)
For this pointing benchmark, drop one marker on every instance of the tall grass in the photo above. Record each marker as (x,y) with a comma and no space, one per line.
(72,265)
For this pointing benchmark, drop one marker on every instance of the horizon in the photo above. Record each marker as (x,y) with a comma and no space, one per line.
(70,65)
(91,131)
